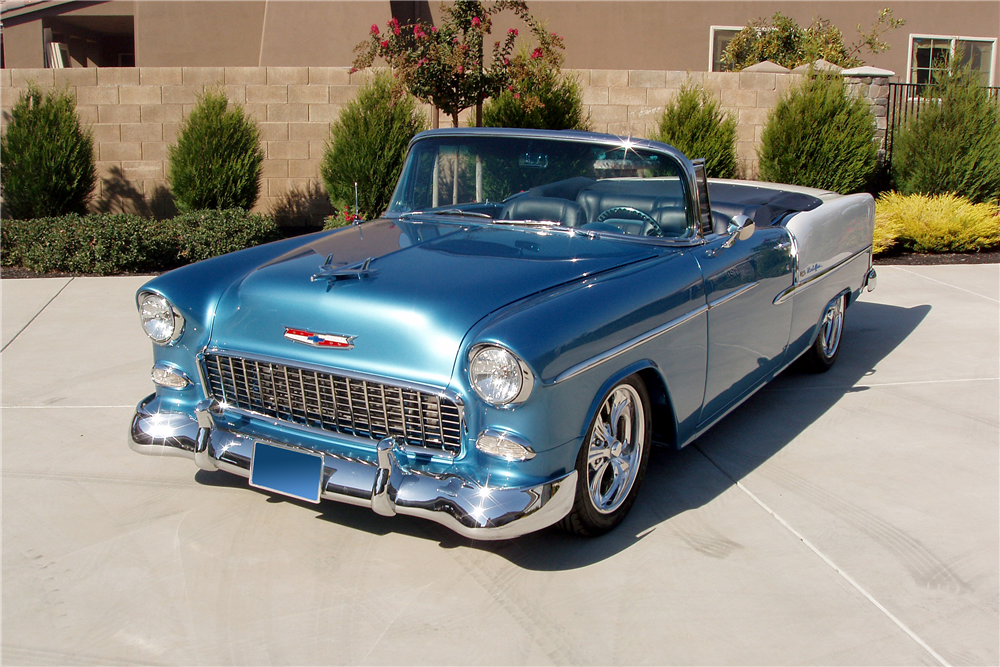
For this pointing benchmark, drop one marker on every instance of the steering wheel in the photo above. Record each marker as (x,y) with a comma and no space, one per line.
(630,213)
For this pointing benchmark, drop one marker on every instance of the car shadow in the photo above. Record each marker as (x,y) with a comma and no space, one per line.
(676,480)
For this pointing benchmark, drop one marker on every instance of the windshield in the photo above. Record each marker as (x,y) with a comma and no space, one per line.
(613,187)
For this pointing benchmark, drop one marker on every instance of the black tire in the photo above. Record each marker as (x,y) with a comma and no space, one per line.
(610,473)
(820,357)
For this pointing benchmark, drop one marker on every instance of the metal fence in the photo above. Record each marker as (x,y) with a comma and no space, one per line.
(905,103)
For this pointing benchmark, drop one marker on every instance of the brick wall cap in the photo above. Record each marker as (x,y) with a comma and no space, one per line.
(768,67)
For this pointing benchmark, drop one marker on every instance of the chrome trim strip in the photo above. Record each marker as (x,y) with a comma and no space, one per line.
(628,345)
(809,282)
(732,295)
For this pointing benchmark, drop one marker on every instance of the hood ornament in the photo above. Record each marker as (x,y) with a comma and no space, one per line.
(327,271)
(320,339)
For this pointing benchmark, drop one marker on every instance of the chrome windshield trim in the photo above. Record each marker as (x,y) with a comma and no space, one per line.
(797,286)
(732,295)
(628,345)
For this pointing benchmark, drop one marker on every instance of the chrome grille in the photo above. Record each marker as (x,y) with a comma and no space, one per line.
(335,402)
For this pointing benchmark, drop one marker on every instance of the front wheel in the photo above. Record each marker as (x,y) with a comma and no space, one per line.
(612,461)
(820,357)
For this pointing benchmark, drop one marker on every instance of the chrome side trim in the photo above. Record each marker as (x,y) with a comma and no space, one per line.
(809,282)
(732,295)
(628,345)
(388,486)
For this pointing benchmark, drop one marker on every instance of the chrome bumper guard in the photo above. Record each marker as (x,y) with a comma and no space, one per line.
(387,486)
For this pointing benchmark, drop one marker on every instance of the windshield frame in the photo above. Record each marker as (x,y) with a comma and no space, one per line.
(684,169)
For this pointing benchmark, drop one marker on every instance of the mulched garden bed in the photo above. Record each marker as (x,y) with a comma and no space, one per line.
(911,258)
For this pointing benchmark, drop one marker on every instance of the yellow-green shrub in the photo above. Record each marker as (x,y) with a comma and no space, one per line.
(943,223)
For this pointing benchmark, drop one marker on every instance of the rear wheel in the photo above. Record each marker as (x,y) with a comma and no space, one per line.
(612,461)
(820,357)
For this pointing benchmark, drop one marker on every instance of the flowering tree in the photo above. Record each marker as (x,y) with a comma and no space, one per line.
(446,66)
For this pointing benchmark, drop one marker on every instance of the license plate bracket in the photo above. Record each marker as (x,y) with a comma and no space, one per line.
(291,472)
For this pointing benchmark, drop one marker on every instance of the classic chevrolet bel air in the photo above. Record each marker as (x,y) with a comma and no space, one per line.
(501,349)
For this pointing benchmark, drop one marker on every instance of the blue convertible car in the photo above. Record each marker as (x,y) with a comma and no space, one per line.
(501,349)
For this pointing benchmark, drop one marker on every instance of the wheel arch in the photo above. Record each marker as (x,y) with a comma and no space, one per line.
(661,410)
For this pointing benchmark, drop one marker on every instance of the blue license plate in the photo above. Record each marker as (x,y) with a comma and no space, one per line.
(290,472)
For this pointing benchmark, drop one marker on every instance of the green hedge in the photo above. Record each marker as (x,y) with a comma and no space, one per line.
(109,243)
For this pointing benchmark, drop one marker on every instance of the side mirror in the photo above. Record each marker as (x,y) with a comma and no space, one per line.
(740,229)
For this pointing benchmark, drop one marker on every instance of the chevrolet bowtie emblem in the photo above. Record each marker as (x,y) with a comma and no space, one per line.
(320,339)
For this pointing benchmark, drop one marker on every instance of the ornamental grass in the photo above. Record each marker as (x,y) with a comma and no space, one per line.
(934,224)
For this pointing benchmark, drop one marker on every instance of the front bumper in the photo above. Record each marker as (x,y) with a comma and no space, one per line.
(387,486)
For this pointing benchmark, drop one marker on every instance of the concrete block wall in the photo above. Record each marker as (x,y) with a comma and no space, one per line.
(135,114)
(630,102)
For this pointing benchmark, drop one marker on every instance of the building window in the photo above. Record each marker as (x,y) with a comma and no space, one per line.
(718,39)
(930,54)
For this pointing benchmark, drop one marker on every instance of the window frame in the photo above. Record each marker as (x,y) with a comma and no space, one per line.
(953,40)
(711,42)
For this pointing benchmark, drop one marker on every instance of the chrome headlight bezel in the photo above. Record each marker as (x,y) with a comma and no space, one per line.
(525,379)
(155,307)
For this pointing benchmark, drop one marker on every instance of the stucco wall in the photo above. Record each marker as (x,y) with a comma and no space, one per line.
(135,114)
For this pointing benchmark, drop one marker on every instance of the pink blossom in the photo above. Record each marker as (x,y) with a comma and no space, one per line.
(374,29)
(517,96)
(475,21)
(512,31)
(395,31)
(384,44)
(537,53)
(459,69)
(506,61)
(434,28)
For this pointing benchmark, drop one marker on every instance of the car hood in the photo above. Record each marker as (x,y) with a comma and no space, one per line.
(425,286)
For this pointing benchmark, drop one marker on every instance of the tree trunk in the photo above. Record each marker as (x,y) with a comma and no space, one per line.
(454,119)
(479,113)
(436,118)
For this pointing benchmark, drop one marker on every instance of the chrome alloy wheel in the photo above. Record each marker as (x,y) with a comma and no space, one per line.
(831,328)
(615,449)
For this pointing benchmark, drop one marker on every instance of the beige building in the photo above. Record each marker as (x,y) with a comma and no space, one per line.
(137,68)
(624,35)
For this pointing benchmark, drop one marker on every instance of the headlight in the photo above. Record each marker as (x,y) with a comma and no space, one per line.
(498,376)
(160,320)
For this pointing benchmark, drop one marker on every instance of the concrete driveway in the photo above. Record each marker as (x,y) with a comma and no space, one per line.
(846,518)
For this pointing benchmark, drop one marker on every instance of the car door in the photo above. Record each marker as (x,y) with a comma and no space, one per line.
(747,332)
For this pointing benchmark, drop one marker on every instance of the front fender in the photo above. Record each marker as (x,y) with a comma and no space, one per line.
(581,338)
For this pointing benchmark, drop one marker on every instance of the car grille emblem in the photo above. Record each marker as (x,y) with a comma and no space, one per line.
(320,339)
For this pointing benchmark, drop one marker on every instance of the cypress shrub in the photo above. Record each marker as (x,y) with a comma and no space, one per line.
(217,160)
(694,124)
(549,103)
(819,136)
(953,144)
(47,157)
(367,145)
